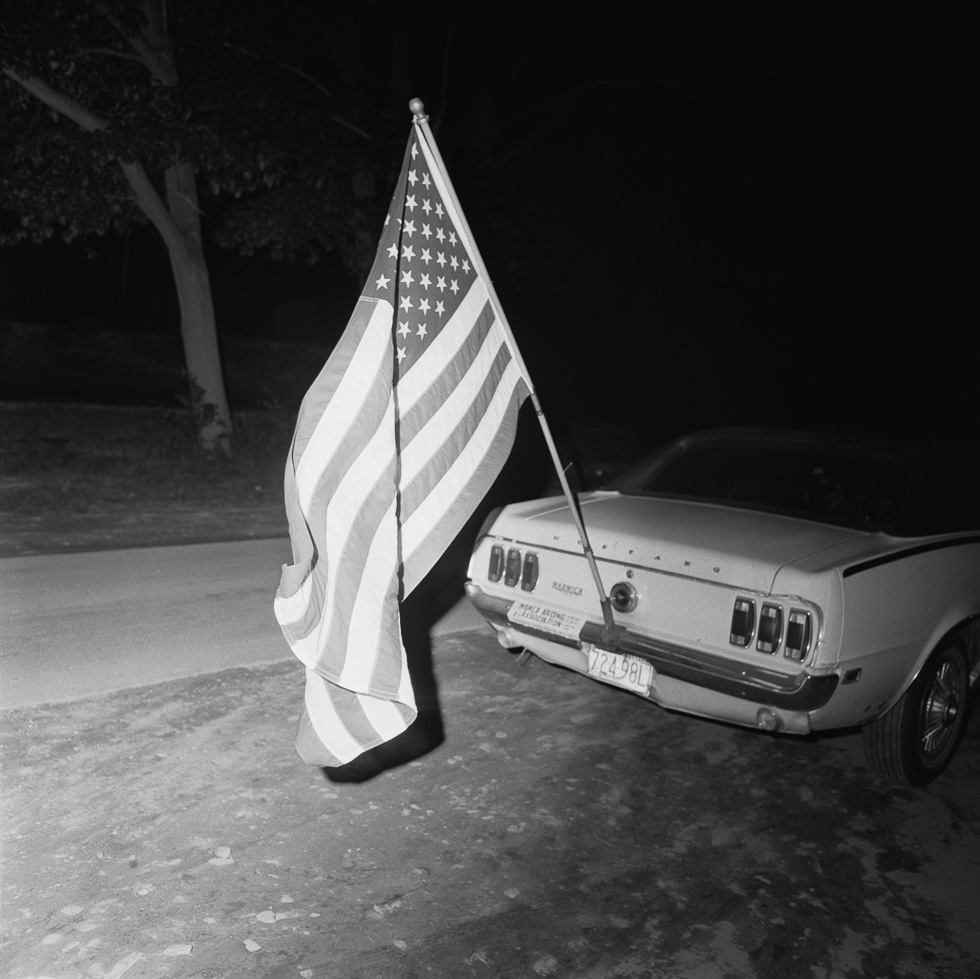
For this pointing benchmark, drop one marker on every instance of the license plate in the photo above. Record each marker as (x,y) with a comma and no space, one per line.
(624,671)
(539,616)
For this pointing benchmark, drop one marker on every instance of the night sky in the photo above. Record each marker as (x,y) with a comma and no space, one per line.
(706,215)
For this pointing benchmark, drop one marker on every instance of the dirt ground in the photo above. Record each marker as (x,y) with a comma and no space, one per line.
(555,827)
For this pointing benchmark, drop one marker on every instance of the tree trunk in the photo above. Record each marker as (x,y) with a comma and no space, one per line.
(154,47)
(197,322)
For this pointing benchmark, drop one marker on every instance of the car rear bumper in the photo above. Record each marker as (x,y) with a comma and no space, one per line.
(799,692)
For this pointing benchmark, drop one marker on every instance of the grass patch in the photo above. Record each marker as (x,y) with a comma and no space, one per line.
(78,458)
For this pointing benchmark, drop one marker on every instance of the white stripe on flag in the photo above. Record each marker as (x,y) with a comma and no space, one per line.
(445,419)
(292,608)
(366,617)
(327,723)
(342,409)
(384,715)
(345,507)
(340,517)
(443,347)
(428,514)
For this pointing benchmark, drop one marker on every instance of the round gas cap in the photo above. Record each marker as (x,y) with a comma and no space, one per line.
(623,596)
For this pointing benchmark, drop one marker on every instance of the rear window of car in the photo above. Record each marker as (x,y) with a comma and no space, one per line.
(855,488)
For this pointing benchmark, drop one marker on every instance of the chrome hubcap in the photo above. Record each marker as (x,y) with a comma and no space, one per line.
(940,709)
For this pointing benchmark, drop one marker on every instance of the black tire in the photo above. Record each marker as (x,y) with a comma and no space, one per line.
(913,742)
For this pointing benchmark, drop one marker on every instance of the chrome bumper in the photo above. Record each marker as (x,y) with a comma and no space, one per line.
(755,684)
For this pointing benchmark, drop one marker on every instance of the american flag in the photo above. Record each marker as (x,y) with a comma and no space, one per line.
(397,441)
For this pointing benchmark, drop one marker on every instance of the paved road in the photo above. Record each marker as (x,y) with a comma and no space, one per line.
(75,625)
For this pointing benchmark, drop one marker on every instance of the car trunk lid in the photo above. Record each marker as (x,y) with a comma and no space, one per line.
(732,546)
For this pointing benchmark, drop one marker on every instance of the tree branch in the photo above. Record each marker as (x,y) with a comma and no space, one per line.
(61,103)
(155,57)
(309,78)
(111,52)
(147,198)
(152,205)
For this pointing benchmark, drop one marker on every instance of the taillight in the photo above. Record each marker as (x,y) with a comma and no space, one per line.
(743,622)
(776,627)
(513,567)
(798,633)
(496,570)
(529,574)
(770,628)
(512,571)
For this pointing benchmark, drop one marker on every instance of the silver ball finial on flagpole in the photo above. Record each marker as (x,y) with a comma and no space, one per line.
(419,110)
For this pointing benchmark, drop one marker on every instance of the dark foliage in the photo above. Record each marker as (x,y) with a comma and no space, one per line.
(282,164)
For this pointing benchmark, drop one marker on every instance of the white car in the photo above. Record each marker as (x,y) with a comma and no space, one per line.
(787,582)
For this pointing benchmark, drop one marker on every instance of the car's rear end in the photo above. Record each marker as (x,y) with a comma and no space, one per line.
(698,627)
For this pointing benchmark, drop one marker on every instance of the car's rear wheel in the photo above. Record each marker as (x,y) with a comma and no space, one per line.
(914,741)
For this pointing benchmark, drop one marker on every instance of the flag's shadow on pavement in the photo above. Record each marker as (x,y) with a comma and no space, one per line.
(419,612)
(424,735)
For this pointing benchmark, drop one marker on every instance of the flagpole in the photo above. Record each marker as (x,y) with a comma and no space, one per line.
(422,121)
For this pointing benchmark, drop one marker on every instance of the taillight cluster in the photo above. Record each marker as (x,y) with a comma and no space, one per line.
(513,567)
(772,628)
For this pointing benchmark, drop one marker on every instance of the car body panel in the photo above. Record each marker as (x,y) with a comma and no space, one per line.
(898,607)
